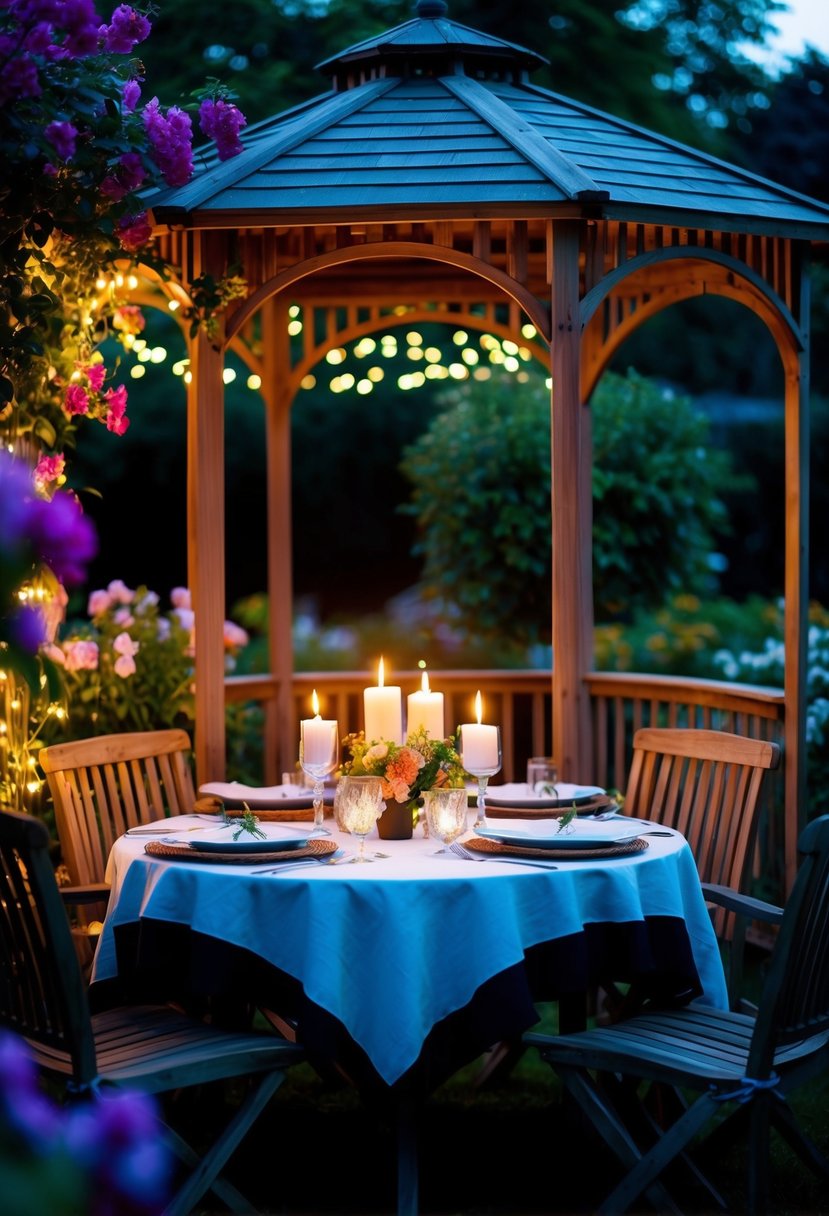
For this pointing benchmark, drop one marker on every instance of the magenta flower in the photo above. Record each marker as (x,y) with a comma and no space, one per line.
(116,419)
(131,95)
(134,230)
(76,400)
(222,121)
(96,374)
(125,31)
(128,175)
(62,136)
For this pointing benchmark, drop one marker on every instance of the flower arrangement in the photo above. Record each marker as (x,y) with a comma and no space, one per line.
(407,769)
(130,667)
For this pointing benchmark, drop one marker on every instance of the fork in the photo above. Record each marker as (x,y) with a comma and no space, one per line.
(458,849)
(333,859)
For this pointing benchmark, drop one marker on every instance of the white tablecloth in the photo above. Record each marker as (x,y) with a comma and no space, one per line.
(393,947)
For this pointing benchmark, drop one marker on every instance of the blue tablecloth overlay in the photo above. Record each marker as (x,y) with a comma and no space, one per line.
(416,951)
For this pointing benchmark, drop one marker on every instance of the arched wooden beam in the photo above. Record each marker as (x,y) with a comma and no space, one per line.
(535,310)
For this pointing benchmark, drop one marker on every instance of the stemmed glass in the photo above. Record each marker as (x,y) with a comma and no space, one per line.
(359,806)
(481,766)
(446,812)
(319,751)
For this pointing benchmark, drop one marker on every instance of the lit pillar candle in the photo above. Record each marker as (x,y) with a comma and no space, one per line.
(319,738)
(480,751)
(383,709)
(425,711)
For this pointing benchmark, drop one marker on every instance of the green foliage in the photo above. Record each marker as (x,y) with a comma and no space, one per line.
(481,477)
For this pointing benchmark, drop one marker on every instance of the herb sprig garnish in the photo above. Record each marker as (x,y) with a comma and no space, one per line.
(567,817)
(249,823)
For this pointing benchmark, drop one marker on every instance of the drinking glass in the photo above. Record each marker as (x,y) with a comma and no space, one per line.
(359,806)
(446,813)
(542,771)
(318,757)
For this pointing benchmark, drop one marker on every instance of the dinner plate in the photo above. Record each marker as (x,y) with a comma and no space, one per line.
(221,841)
(543,834)
(236,796)
(517,794)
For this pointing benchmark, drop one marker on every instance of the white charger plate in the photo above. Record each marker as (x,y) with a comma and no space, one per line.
(581,834)
(221,840)
(517,794)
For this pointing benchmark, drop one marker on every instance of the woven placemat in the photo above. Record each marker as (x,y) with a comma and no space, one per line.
(480,844)
(183,852)
(600,803)
(214,806)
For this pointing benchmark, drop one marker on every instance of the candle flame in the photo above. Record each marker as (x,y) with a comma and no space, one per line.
(479,705)
(424,683)
(380,674)
(315,703)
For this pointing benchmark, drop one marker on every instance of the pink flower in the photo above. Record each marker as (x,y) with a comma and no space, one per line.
(99,603)
(62,137)
(185,616)
(128,175)
(126,649)
(234,636)
(128,319)
(180,597)
(52,651)
(116,419)
(222,121)
(117,425)
(123,616)
(48,469)
(76,400)
(81,655)
(119,592)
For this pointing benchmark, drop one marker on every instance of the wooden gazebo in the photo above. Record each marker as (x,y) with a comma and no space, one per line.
(435,179)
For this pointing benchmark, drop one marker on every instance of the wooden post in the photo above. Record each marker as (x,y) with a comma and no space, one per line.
(796,622)
(571,462)
(206,548)
(282,742)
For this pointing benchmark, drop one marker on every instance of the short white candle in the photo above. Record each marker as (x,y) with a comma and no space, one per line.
(319,738)
(383,710)
(479,745)
(425,711)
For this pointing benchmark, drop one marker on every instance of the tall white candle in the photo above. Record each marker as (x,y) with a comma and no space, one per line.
(383,710)
(480,751)
(425,711)
(319,738)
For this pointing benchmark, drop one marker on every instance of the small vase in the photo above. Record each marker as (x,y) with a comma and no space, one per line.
(397,820)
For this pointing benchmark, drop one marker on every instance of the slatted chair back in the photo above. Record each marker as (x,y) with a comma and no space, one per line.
(103,786)
(155,1049)
(706,784)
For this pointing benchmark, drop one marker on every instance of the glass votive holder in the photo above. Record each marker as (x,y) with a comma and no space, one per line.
(446,811)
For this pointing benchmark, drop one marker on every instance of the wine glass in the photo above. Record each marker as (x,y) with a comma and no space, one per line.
(480,756)
(359,806)
(319,751)
(446,813)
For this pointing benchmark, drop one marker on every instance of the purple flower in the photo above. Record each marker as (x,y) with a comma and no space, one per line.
(134,230)
(26,628)
(126,29)
(222,122)
(131,95)
(127,176)
(171,142)
(79,19)
(62,137)
(20,79)
(63,537)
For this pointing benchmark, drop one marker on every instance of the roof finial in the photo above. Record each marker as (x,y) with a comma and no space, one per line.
(431,8)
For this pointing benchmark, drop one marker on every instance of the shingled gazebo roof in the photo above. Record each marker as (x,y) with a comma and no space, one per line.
(432,114)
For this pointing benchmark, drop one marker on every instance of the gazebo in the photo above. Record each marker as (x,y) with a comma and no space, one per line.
(435,182)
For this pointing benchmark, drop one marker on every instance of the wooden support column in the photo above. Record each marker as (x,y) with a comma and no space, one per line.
(571,518)
(206,550)
(276,377)
(796,621)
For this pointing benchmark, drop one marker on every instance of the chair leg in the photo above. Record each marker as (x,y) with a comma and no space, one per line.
(407,1162)
(205,1176)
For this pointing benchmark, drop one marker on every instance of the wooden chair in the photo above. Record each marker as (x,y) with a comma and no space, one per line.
(154,1049)
(706,784)
(735,1071)
(104,785)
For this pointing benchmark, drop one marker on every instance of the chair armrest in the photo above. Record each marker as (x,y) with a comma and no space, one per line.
(94,893)
(743,905)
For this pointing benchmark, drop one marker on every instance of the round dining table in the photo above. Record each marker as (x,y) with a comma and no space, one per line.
(393,951)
